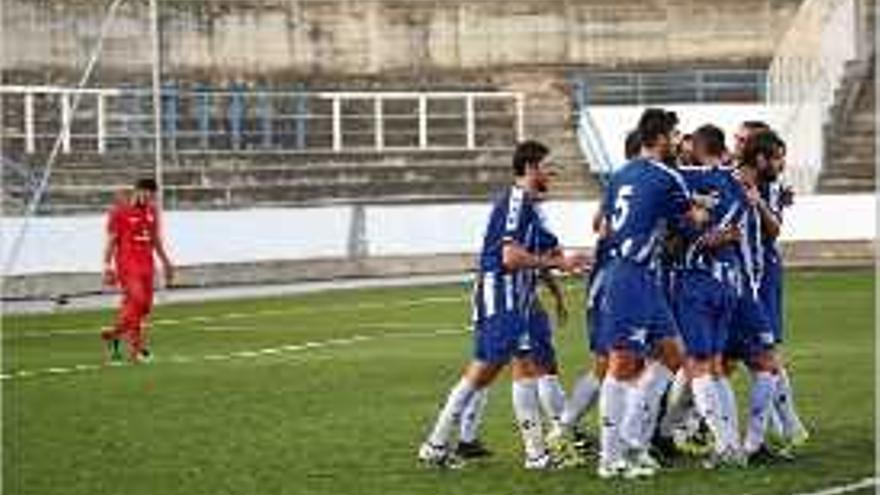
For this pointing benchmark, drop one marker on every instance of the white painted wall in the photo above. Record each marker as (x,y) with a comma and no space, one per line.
(73,244)
(615,121)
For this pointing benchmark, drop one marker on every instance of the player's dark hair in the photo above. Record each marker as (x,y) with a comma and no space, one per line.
(756,125)
(528,154)
(711,138)
(146,184)
(633,144)
(763,144)
(654,123)
(781,143)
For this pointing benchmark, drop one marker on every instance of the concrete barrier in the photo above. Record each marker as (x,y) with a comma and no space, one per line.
(63,255)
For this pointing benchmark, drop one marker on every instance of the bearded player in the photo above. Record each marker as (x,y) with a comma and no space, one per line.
(504,299)
(133,236)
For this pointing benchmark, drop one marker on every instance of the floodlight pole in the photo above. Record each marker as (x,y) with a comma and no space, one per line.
(157,97)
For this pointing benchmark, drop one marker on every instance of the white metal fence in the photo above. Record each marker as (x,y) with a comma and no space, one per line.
(807,68)
(240,118)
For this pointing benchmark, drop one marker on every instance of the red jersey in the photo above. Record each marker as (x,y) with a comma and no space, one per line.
(136,229)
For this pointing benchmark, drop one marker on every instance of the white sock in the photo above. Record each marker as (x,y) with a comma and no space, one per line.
(472,416)
(458,398)
(634,417)
(552,397)
(784,405)
(527,410)
(654,382)
(613,397)
(679,402)
(729,413)
(760,403)
(774,420)
(709,406)
(583,396)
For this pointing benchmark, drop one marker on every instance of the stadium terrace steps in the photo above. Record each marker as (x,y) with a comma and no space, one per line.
(87,183)
(548,106)
(850,158)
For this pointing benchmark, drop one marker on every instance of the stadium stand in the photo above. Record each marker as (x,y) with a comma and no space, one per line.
(849,135)
(243,162)
(219,155)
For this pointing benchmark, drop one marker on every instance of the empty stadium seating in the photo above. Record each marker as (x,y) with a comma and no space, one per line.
(850,157)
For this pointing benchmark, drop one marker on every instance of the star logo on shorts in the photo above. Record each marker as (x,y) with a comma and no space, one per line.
(639,335)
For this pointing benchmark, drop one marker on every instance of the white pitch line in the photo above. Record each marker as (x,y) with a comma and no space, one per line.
(838,490)
(178,359)
(162,322)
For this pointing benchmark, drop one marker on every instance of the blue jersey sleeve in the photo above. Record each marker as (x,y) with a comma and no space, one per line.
(547,241)
(695,178)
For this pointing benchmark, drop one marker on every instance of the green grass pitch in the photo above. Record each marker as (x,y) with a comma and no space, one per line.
(330,393)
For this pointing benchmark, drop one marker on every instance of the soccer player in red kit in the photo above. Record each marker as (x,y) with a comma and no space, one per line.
(133,235)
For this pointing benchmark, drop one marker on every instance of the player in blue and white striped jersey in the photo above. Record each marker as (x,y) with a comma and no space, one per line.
(774,196)
(504,297)
(642,199)
(707,288)
(539,345)
(752,339)
(566,438)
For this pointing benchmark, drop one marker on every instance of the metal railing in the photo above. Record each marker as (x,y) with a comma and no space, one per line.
(673,86)
(589,138)
(240,118)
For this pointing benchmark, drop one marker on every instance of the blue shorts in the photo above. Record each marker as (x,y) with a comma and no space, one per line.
(703,308)
(595,298)
(635,310)
(499,337)
(538,340)
(750,330)
(770,294)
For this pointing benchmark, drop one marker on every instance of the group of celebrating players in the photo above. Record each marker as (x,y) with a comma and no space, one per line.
(686,282)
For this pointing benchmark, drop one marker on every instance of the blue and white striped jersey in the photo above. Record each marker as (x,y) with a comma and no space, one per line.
(772,194)
(723,192)
(728,205)
(642,199)
(515,217)
(751,249)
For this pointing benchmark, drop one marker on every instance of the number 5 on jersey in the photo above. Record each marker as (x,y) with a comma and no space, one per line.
(621,207)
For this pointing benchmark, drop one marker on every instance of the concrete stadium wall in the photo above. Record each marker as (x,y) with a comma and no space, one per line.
(62,255)
(317,38)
